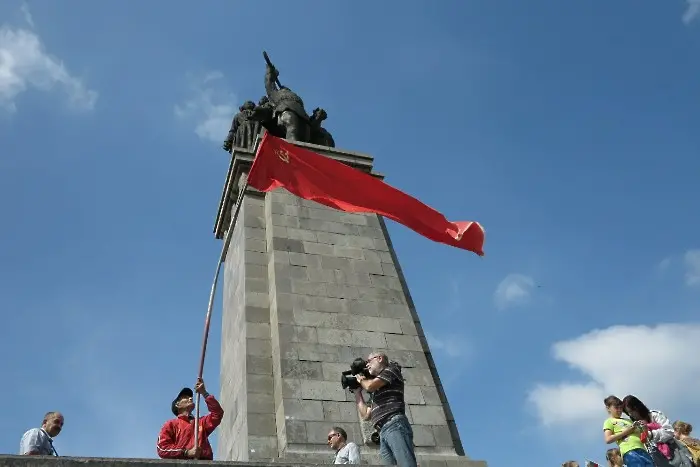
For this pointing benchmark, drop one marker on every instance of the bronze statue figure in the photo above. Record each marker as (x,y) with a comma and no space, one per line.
(320,135)
(244,128)
(289,110)
(281,112)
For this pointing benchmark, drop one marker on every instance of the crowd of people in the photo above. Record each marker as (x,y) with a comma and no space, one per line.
(644,437)
(387,411)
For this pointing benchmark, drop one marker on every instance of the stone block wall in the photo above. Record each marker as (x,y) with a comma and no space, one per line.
(307,290)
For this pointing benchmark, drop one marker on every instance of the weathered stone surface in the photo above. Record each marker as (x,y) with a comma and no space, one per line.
(307,289)
(261,445)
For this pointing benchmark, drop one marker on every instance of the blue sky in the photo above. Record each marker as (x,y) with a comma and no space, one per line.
(568,129)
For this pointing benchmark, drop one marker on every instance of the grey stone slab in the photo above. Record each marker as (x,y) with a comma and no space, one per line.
(370,267)
(318,248)
(413,395)
(258,300)
(302,234)
(258,365)
(403,342)
(418,377)
(334,336)
(428,415)
(347,252)
(261,403)
(289,333)
(371,339)
(288,271)
(256,244)
(256,285)
(305,259)
(262,447)
(255,257)
(301,369)
(339,412)
(324,276)
(295,431)
(322,391)
(309,288)
(442,435)
(259,384)
(387,282)
(351,278)
(423,436)
(285,221)
(326,226)
(257,314)
(346,292)
(408,327)
(288,244)
(254,233)
(332,371)
(388,269)
(258,347)
(258,330)
(331,262)
(431,395)
(295,409)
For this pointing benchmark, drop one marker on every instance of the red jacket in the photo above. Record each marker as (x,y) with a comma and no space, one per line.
(177,435)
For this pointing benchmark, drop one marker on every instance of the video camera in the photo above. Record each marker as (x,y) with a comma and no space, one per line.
(348,379)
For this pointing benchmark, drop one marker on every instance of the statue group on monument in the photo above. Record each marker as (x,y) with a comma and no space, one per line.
(281,112)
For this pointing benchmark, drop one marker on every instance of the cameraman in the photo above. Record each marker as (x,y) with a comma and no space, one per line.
(388,410)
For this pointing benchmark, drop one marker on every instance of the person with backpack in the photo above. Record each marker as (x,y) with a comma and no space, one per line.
(682,432)
(657,434)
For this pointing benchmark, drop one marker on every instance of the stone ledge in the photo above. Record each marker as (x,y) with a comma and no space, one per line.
(50,461)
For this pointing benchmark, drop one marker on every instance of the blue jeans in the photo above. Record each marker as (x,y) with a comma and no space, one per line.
(637,458)
(396,442)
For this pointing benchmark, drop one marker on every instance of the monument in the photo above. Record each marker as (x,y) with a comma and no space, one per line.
(306,290)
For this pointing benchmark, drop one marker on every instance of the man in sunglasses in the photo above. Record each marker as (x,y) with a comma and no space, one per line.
(345,453)
(387,410)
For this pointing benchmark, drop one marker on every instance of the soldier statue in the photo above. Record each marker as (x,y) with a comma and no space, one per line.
(320,135)
(289,113)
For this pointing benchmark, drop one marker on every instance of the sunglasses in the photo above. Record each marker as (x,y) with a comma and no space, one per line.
(331,436)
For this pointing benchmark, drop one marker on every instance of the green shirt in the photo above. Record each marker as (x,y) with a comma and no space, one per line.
(632,441)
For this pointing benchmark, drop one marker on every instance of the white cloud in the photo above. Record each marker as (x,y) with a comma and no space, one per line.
(452,346)
(210,108)
(692,11)
(25,64)
(27,14)
(691,260)
(514,290)
(657,364)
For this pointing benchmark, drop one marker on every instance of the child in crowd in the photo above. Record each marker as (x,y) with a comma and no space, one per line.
(614,458)
(626,434)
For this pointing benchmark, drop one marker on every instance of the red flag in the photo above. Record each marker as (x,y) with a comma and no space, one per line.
(312,176)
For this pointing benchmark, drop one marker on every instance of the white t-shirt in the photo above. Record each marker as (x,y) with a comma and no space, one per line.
(348,454)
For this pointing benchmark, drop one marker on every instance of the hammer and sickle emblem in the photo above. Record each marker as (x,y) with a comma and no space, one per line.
(283,155)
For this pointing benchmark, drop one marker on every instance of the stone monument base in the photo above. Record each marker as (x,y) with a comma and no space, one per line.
(50,461)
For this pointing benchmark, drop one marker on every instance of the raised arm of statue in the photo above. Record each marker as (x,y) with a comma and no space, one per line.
(271,89)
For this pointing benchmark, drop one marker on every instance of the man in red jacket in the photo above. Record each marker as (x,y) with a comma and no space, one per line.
(176,438)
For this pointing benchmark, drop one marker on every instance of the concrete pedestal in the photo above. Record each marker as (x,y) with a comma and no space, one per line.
(306,290)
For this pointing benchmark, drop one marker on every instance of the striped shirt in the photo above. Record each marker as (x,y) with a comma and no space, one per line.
(388,400)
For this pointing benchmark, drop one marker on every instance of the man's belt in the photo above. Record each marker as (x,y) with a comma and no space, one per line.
(378,426)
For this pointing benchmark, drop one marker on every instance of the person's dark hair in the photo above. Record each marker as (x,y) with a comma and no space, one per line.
(612,400)
(635,409)
(341,432)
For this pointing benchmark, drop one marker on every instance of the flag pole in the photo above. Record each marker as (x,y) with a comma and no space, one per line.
(212,293)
